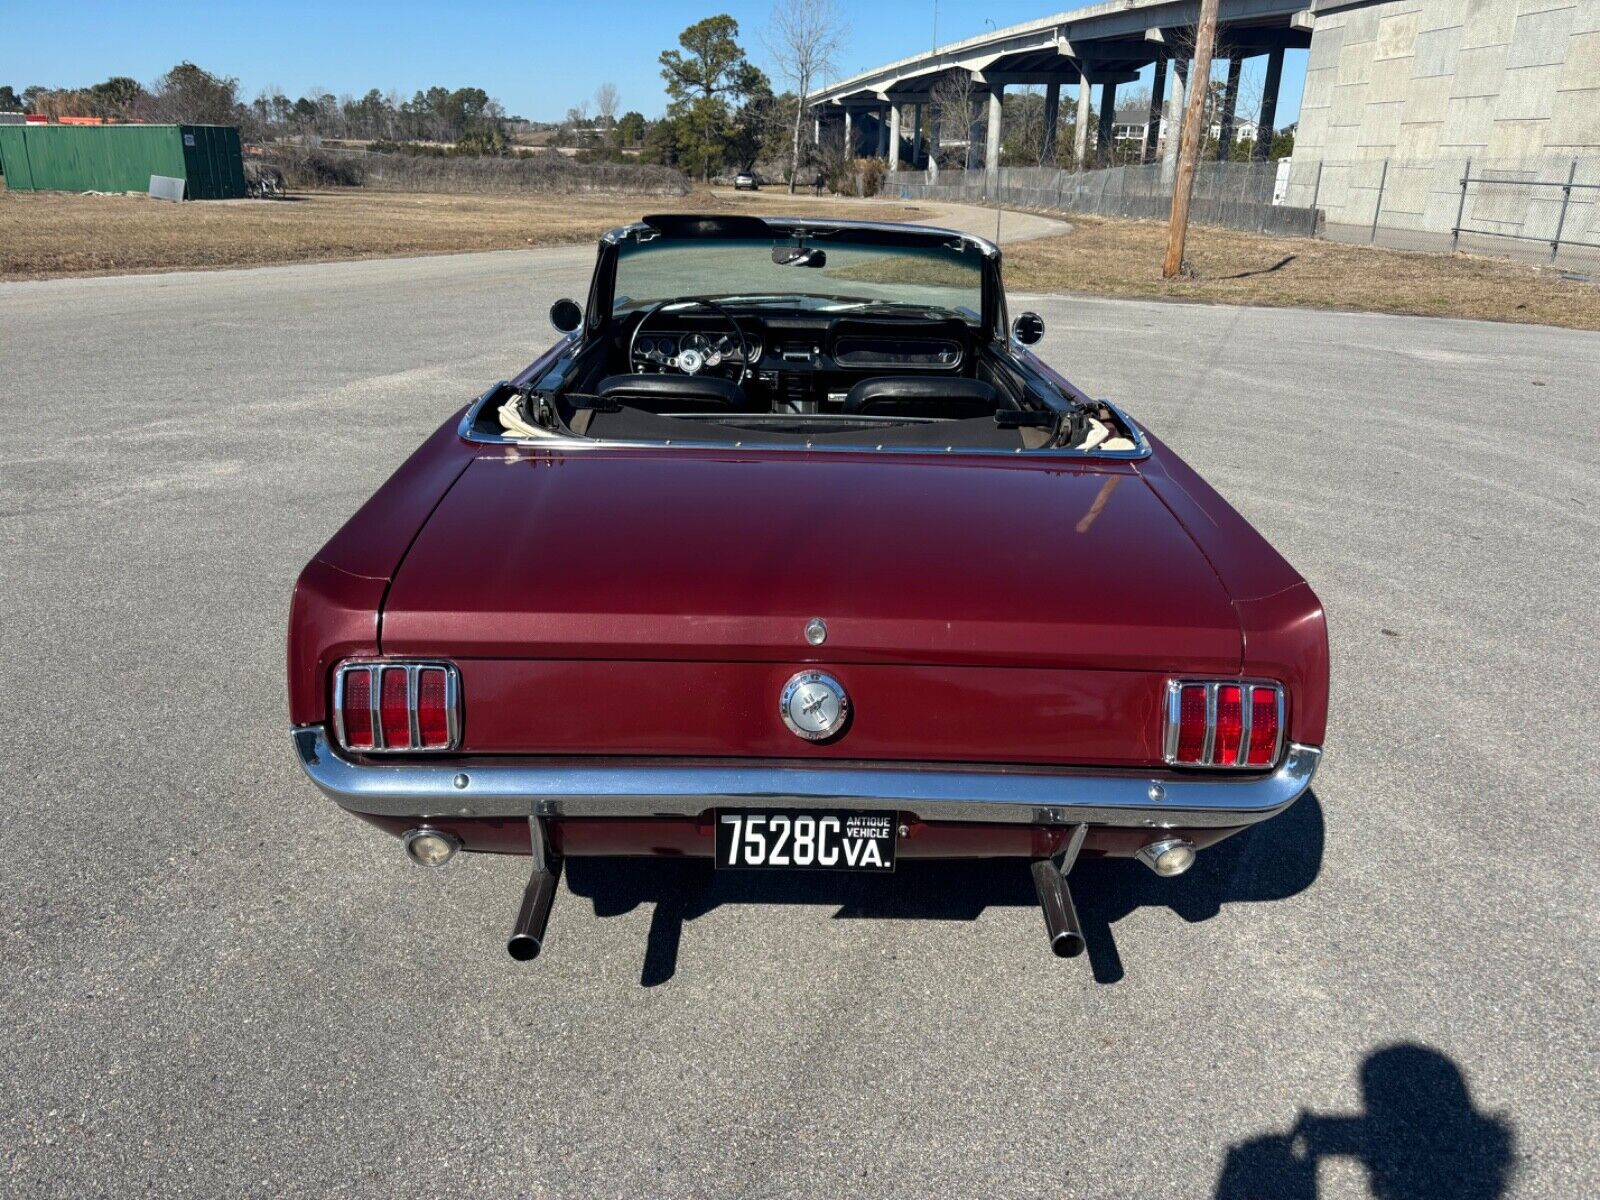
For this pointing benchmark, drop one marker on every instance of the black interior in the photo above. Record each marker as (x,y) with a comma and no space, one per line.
(915,379)
(935,397)
(675,393)
(779,375)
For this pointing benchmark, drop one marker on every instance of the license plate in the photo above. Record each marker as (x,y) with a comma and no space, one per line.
(817,841)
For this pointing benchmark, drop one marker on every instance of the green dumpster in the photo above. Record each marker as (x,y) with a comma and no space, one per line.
(121,158)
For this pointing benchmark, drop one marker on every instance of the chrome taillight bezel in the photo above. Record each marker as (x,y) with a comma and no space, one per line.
(413,667)
(1170,729)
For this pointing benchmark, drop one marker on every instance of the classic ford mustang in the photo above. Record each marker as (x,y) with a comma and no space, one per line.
(791,553)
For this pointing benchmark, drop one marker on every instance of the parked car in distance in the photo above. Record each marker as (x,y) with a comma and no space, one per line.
(745,181)
(792,553)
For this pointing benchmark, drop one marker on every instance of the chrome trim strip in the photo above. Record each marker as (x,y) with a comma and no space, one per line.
(412,693)
(375,704)
(1247,706)
(785,226)
(488,787)
(1209,750)
(338,708)
(1283,732)
(1169,738)
(557,441)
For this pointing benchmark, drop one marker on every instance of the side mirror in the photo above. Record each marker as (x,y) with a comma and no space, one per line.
(565,315)
(1028,328)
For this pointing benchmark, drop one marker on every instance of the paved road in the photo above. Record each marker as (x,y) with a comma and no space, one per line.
(217,984)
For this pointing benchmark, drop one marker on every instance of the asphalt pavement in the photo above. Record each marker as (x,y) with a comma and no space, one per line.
(216,983)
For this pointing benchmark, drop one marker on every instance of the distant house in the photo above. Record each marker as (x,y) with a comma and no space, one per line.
(1132,122)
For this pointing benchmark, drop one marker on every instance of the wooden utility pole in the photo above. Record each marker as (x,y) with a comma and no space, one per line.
(1205,41)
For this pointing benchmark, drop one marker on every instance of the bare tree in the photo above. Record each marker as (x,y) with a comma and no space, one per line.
(953,97)
(803,37)
(605,103)
(1024,118)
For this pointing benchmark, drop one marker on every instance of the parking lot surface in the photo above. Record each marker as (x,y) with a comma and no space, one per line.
(218,984)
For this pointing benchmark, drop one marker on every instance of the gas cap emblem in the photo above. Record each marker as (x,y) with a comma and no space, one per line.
(814,706)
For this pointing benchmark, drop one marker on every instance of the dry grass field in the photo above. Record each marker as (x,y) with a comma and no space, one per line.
(49,234)
(1123,258)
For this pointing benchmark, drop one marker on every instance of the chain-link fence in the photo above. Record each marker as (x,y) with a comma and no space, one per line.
(1542,210)
(1234,195)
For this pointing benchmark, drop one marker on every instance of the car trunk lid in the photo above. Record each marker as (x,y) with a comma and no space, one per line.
(723,556)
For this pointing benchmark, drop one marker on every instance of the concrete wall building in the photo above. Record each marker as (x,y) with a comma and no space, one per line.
(1401,96)
(1414,79)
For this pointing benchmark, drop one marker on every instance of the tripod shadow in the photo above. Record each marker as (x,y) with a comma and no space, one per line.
(1420,1138)
(1271,861)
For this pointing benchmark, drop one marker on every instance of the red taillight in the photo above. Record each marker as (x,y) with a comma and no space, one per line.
(433,722)
(1192,723)
(1223,723)
(356,709)
(416,706)
(394,709)
(1263,727)
(1230,726)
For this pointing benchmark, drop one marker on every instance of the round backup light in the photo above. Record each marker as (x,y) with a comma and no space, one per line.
(1168,858)
(430,847)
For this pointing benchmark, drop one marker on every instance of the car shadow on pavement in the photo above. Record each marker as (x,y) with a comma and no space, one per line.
(1420,1138)
(1271,861)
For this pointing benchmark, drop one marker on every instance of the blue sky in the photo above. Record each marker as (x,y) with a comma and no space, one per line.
(538,57)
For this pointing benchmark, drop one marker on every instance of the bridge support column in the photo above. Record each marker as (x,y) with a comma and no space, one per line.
(1181,72)
(849,134)
(894,137)
(1269,106)
(1152,128)
(1052,111)
(935,119)
(1080,134)
(1104,149)
(916,135)
(991,146)
(974,131)
(883,130)
(1230,110)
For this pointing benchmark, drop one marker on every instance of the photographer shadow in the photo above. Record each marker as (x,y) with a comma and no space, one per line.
(1267,862)
(1420,1138)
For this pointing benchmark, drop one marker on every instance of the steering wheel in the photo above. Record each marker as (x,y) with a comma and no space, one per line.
(692,362)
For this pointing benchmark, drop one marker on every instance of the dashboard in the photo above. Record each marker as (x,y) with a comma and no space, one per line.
(797,354)
(715,347)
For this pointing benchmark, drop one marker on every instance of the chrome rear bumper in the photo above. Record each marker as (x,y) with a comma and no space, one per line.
(685,788)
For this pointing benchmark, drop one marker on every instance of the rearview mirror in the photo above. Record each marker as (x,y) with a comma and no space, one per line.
(565,315)
(1028,328)
(798,256)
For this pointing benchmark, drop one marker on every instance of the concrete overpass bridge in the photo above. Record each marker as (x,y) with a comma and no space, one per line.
(1101,46)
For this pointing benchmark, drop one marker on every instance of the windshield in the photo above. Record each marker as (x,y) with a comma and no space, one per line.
(944,277)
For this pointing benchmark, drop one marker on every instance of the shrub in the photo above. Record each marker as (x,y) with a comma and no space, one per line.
(437,169)
(870,172)
(305,167)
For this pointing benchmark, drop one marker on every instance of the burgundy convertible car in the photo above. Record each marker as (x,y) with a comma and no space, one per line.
(791,553)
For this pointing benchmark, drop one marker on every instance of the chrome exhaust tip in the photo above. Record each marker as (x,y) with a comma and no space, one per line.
(527,932)
(1168,857)
(1060,917)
